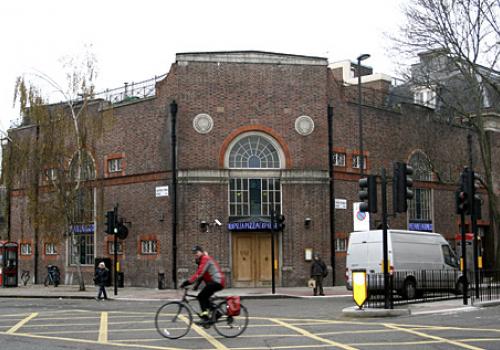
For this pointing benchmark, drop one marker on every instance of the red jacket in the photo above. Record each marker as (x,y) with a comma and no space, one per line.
(208,271)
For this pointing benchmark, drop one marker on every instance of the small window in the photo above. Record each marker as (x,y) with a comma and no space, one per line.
(338,159)
(50,249)
(149,247)
(340,244)
(114,165)
(51,174)
(356,161)
(25,249)
(111,247)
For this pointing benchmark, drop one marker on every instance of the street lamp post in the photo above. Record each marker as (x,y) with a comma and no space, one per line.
(360,119)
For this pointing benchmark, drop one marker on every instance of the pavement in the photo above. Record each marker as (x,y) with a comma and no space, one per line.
(152,294)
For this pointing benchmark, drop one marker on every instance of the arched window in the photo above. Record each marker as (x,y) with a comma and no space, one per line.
(254,151)
(250,193)
(421,167)
(420,207)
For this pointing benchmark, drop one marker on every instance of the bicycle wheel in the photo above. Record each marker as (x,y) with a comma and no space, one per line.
(173,320)
(229,326)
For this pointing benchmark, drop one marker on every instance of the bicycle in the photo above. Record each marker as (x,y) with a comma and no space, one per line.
(53,276)
(174,319)
(25,277)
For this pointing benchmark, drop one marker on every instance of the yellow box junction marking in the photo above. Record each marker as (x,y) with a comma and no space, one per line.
(312,336)
(103,328)
(217,344)
(22,323)
(420,334)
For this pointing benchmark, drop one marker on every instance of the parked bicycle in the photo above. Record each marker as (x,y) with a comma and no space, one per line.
(53,276)
(174,319)
(25,277)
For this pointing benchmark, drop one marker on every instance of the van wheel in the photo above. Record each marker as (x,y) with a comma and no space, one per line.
(409,289)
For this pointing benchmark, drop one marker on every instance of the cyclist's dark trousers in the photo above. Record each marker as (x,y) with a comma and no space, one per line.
(206,293)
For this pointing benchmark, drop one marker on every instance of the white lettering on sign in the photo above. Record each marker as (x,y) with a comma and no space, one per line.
(162,191)
(340,203)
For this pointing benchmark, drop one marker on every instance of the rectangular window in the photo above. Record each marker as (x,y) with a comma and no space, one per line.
(149,247)
(356,161)
(111,247)
(419,207)
(51,174)
(50,249)
(340,244)
(25,249)
(82,249)
(253,197)
(338,159)
(114,165)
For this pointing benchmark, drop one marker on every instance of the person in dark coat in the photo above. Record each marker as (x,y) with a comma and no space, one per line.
(101,278)
(318,272)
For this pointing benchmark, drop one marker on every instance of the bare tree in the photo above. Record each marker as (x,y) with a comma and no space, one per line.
(54,154)
(462,41)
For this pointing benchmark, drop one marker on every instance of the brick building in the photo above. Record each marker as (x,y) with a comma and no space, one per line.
(251,134)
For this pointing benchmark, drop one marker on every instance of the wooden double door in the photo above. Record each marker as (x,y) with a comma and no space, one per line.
(252,259)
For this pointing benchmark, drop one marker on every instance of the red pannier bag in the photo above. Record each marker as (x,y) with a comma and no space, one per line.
(233,306)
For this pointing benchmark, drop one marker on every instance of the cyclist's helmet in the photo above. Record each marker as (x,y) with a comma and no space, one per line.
(197,248)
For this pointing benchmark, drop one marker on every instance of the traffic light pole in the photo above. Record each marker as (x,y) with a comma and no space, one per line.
(464,259)
(115,246)
(387,289)
(473,220)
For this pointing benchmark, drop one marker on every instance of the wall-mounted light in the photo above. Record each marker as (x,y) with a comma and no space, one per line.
(307,222)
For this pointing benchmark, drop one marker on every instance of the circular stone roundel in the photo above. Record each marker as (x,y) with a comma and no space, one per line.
(203,123)
(304,125)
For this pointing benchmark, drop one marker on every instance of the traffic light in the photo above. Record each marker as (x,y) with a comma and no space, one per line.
(461,202)
(122,230)
(402,186)
(281,221)
(110,222)
(368,194)
(469,187)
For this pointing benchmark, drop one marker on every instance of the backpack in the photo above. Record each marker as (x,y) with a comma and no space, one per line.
(233,306)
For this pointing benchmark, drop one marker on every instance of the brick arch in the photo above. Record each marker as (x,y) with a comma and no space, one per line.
(255,127)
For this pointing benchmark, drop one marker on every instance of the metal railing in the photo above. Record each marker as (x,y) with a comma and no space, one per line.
(432,285)
(415,287)
(489,287)
(131,91)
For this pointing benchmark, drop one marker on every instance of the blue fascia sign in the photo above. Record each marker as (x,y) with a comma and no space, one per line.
(251,226)
(420,226)
(82,228)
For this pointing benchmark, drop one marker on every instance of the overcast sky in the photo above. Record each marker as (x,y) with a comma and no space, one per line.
(136,40)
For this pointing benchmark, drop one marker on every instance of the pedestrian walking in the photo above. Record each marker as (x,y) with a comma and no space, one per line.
(101,278)
(318,272)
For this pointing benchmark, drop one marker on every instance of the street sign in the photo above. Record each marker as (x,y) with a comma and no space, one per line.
(340,203)
(162,191)
(359,287)
(361,220)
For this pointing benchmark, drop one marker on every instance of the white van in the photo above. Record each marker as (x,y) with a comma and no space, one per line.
(419,261)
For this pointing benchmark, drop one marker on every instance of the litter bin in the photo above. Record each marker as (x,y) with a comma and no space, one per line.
(120,279)
(161,281)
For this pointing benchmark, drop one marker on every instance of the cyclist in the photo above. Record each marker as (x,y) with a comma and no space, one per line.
(209,272)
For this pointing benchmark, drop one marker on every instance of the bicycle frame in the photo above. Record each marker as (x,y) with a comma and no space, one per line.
(186,298)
